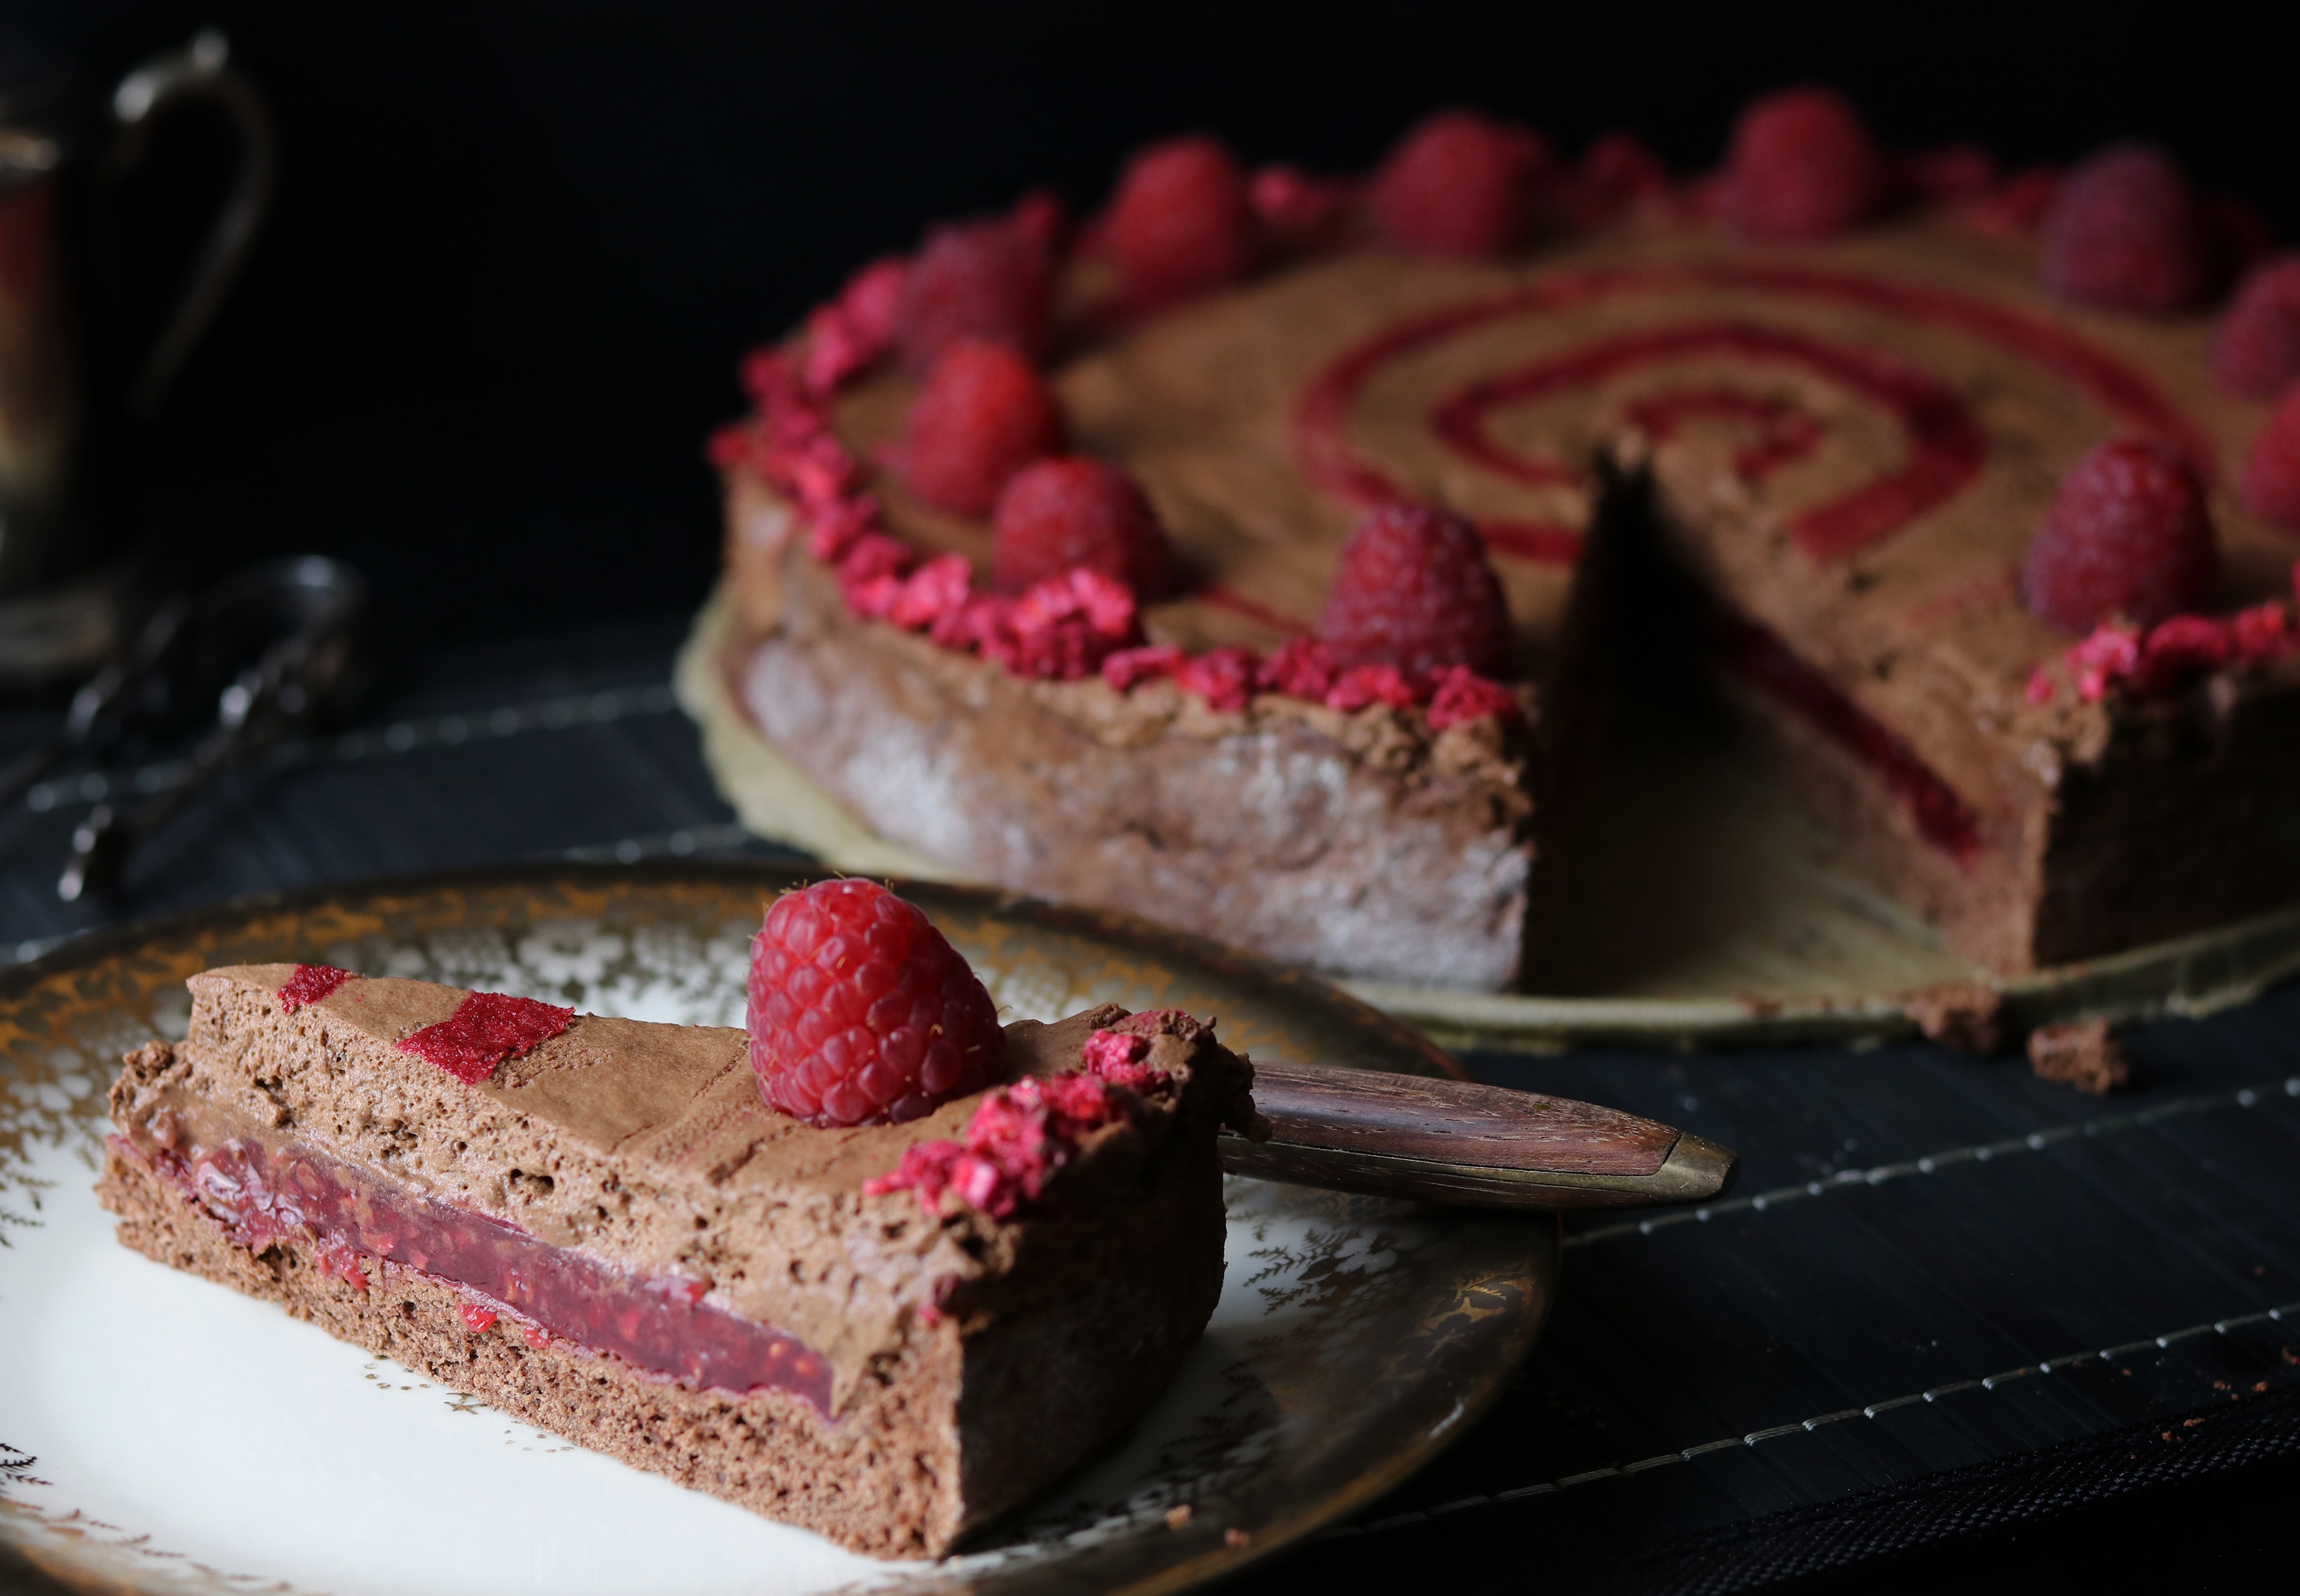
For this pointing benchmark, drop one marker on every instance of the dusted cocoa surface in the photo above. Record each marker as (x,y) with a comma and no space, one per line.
(1014,1349)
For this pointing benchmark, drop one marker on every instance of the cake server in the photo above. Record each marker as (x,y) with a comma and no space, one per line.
(1466,1146)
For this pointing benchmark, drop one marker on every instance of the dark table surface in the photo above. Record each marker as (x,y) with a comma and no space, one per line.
(1953,1320)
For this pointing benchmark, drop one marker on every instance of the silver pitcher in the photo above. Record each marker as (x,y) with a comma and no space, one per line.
(68,586)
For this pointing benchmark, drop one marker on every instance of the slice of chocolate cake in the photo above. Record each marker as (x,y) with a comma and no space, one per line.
(889,1334)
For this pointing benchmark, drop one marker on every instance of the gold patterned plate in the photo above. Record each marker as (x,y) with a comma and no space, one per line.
(162,1433)
(1706,907)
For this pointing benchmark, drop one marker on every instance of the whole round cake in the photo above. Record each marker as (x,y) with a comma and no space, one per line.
(1243,558)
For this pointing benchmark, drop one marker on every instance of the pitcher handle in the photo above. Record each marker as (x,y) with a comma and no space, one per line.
(199,70)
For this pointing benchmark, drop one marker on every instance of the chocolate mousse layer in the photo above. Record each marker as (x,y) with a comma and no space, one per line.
(610,1236)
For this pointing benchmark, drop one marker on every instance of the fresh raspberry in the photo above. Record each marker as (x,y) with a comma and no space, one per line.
(2271,472)
(872,300)
(991,280)
(1801,166)
(2258,354)
(2124,233)
(982,416)
(1460,184)
(862,1013)
(1181,222)
(1073,511)
(1956,174)
(2128,538)
(1413,590)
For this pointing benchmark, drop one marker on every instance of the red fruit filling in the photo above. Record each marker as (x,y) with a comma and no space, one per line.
(982,416)
(265,1194)
(477,1320)
(311,983)
(991,281)
(1801,166)
(1414,590)
(2124,233)
(1460,184)
(2258,351)
(2128,537)
(1059,514)
(2271,471)
(862,1013)
(1181,222)
(1942,818)
(486,1029)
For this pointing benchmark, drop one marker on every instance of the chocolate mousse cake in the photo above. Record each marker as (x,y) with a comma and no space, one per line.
(889,1334)
(1845,393)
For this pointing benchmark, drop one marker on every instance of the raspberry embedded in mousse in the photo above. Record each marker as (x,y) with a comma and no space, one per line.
(2125,233)
(982,416)
(1801,166)
(1415,591)
(991,280)
(1460,184)
(1182,221)
(1055,515)
(2271,470)
(2257,353)
(2128,537)
(862,1012)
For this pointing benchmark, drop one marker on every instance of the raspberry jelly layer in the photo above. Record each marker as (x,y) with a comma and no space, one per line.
(265,1193)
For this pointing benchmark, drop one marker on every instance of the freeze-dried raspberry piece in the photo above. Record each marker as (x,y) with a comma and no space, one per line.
(1057,514)
(2271,471)
(1462,696)
(1364,685)
(2125,233)
(1020,1137)
(2128,537)
(1801,166)
(990,280)
(1460,184)
(1303,668)
(1181,222)
(1129,667)
(1064,628)
(1414,590)
(982,416)
(862,1013)
(2258,352)
(1223,677)
(1118,1057)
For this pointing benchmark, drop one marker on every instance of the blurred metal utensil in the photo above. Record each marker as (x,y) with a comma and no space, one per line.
(308,616)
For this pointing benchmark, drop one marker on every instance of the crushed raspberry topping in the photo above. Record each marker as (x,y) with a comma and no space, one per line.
(2117,655)
(1460,184)
(1075,512)
(2258,352)
(1129,666)
(311,983)
(2127,538)
(991,281)
(1801,166)
(486,1029)
(1223,677)
(1117,1057)
(2271,470)
(1019,1137)
(1414,590)
(862,1012)
(2125,233)
(1182,221)
(982,416)
(1463,695)
(1302,668)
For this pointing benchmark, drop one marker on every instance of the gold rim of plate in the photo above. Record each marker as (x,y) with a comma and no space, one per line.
(1858,992)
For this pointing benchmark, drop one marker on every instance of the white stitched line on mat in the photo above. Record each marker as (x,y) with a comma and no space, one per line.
(401,737)
(2289,1312)
(2246,1097)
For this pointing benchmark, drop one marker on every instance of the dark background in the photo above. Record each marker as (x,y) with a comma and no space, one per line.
(518,247)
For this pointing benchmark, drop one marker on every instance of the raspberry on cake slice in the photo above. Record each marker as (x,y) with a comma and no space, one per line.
(975,1260)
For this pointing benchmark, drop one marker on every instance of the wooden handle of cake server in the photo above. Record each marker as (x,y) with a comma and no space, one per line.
(1466,1146)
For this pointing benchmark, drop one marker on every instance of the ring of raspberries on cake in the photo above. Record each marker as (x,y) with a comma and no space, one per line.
(878,1267)
(1244,556)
